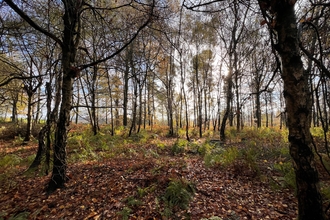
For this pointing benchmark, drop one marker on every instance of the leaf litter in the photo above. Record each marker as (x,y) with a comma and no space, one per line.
(104,189)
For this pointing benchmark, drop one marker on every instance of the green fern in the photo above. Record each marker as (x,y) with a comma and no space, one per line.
(179,193)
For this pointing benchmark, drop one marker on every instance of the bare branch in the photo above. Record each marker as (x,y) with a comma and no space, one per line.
(81,67)
(200,4)
(318,62)
(31,22)
(18,77)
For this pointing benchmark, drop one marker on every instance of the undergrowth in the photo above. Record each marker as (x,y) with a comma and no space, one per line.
(263,152)
(177,196)
(255,152)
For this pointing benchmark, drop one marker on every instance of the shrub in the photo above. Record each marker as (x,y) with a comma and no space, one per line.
(120,131)
(208,133)
(141,137)
(287,178)
(9,160)
(229,156)
(11,130)
(205,148)
(231,133)
(7,169)
(181,132)
(179,146)
(141,192)
(250,156)
(132,201)
(125,213)
(222,156)
(178,194)
(325,191)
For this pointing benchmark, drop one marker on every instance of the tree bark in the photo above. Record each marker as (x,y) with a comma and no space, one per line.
(69,48)
(29,118)
(298,105)
(14,108)
(128,57)
(228,105)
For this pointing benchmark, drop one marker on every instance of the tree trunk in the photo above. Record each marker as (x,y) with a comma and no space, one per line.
(258,109)
(29,118)
(36,118)
(128,57)
(228,105)
(133,125)
(237,84)
(266,110)
(298,105)
(42,133)
(59,161)
(140,108)
(77,103)
(94,118)
(14,108)
(69,48)
(41,148)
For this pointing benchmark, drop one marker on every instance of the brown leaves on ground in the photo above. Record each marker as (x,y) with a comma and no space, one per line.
(104,190)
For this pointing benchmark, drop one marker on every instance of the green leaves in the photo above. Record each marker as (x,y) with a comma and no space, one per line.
(179,193)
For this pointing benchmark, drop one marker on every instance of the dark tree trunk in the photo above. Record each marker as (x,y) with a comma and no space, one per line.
(94,118)
(14,109)
(29,119)
(111,107)
(258,110)
(228,105)
(266,110)
(41,148)
(37,117)
(169,93)
(129,53)
(59,161)
(140,108)
(298,105)
(111,113)
(45,129)
(78,102)
(237,84)
(69,48)
(133,125)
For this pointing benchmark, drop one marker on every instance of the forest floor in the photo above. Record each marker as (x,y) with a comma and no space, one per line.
(133,184)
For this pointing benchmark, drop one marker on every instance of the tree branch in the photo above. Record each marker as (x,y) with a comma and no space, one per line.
(18,77)
(13,6)
(81,67)
(200,4)
(318,62)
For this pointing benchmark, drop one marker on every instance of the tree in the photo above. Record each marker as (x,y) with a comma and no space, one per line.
(231,41)
(298,106)
(71,36)
(166,74)
(281,20)
(10,85)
